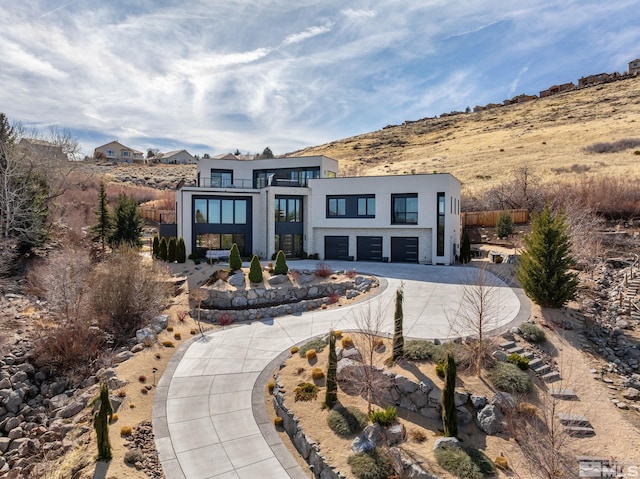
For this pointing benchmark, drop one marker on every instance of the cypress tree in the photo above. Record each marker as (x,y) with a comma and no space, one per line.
(543,268)
(504,225)
(235,261)
(281,264)
(155,249)
(104,227)
(181,251)
(465,248)
(398,336)
(162,249)
(255,270)
(449,412)
(101,423)
(171,250)
(331,395)
(128,223)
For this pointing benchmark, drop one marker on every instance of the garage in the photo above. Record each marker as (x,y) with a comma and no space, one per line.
(404,249)
(336,247)
(369,248)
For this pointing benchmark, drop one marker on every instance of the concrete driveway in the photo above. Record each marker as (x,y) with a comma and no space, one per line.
(208,415)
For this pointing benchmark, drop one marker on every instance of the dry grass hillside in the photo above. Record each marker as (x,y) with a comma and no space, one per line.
(482,149)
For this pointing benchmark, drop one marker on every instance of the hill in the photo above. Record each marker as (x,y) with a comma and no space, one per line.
(548,135)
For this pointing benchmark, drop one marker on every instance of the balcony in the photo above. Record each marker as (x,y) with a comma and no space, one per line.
(217,183)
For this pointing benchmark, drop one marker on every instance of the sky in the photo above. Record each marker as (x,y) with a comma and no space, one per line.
(213,76)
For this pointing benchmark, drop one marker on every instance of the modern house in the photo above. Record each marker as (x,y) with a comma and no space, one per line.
(177,157)
(299,204)
(114,151)
(634,67)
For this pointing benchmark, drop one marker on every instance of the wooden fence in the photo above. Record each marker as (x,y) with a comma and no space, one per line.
(490,218)
(159,216)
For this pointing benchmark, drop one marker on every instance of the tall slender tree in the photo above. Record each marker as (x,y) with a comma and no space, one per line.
(235,261)
(104,227)
(398,335)
(163,249)
(171,250)
(155,247)
(101,424)
(128,223)
(449,412)
(331,394)
(181,251)
(465,248)
(544,266)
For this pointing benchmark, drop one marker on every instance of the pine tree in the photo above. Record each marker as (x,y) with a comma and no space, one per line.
(255,270)
(398,336)
(162,249)
(235,261)
(103,229)
(281,264)
(465,248)
(331,394)
(155,249)
(504,225)
(543,268)
(101,423)
(171,250)
(449,412)
(181,251)
(128,223)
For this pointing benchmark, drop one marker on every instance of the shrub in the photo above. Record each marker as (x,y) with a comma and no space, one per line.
(155,247)
(346,342)
(306,392)
(281,264)
(440,369)
(170,328)
(338,333)
(347,421)
(235,261)
(352,273)
(294,274)
(113,418)
(504,225)
(133,455)
(299,371)
(419,350)
(294,350)
(126,431)
(121,393)
(193,331)
(255,270)
(311,354)
(323,270)
(501,462)
(171,250)
(334,298)
(508,377)
(317,373)
(384,417)
(142,378)
(181,251)
(225,319)
(162,249)
(378,344)
(317,344)
(271,385)
(527,410)
(458,462)
(532,333)
(144,391)
(168,344)
(182,315)
(418,435)
(519,360)
(372,465)
(177,336)
(614,146)
(278,421)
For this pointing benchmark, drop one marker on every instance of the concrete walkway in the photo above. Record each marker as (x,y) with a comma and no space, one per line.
(208,415)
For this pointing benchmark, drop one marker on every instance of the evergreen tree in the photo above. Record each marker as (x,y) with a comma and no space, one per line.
(101,423)
(504,225)
(162,249)
(103,229)
(128,223)
(171,250)
(465,248)
(449,412)
(398,336)
(331,394)
(181,251)
(543,268)
(281,264)
(235,261)
(267,153)
(155,250)
(255,270)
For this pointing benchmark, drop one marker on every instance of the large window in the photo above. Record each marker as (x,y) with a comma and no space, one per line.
(221,178)
(285,176)
(221,211)
(441,214)
(351,206)
(290,244)
(404,209)
(218,241)
(288,210)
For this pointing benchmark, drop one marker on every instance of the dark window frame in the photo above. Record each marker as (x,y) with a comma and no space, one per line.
(351,206)
(221,201)
(222,184)
(298,214)
(441,210)
(398,198)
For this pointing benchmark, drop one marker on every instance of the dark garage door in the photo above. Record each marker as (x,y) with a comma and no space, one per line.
(369,248)
(336,247)
(404,250)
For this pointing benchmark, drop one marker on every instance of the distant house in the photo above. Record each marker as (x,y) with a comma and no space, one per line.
(176,157)
(42,149)
(233,156)
(555,89)
(634,67)
(593,79)
(115,151)
(520,99)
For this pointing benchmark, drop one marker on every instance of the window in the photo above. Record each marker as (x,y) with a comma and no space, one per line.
(221,178)
(440,223)
(404,209)
(285,176)
(220,211)
(218,241)
(336,206)
(125,154)
(110,153)
(367,206)
(351,206)
(288,210)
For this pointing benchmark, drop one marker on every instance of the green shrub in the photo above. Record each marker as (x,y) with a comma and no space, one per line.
(235,261)
(162,249)
(372,465)
(171,250)
(440,369)
(518,360)
(458,462)
(306,392)
(281,264)
(255,270)
(508,377)
(347,421)
(504,225)
(181,251)
(317,344)
(384,417)
(155,246)
(532,333)
(419,350)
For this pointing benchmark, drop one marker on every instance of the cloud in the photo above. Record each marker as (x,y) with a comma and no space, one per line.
(309,33)
(514,83)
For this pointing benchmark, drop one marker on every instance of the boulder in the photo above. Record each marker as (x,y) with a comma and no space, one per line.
(405,385)
(374,433)
(236,279)
(362,444)
(446,442)
(396,434)
(11,423)
(631,394)
(16,433)
(499,355)
(461,398)
(71,410)
(4,444)
(478,402)
(278,279)
(159,323)
(13,402)
(352,353)
(146,336)
(137,348)
(488,419)
(123,356)
(239,302)
(503,401)
(464,416)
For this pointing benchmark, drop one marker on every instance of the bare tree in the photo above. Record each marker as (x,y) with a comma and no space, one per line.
(477,315)
(523,190)
(199,295)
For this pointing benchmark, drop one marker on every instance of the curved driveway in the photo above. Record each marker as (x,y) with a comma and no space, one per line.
(203,414)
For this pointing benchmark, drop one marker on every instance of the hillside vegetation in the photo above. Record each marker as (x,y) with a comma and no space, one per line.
(548,135)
